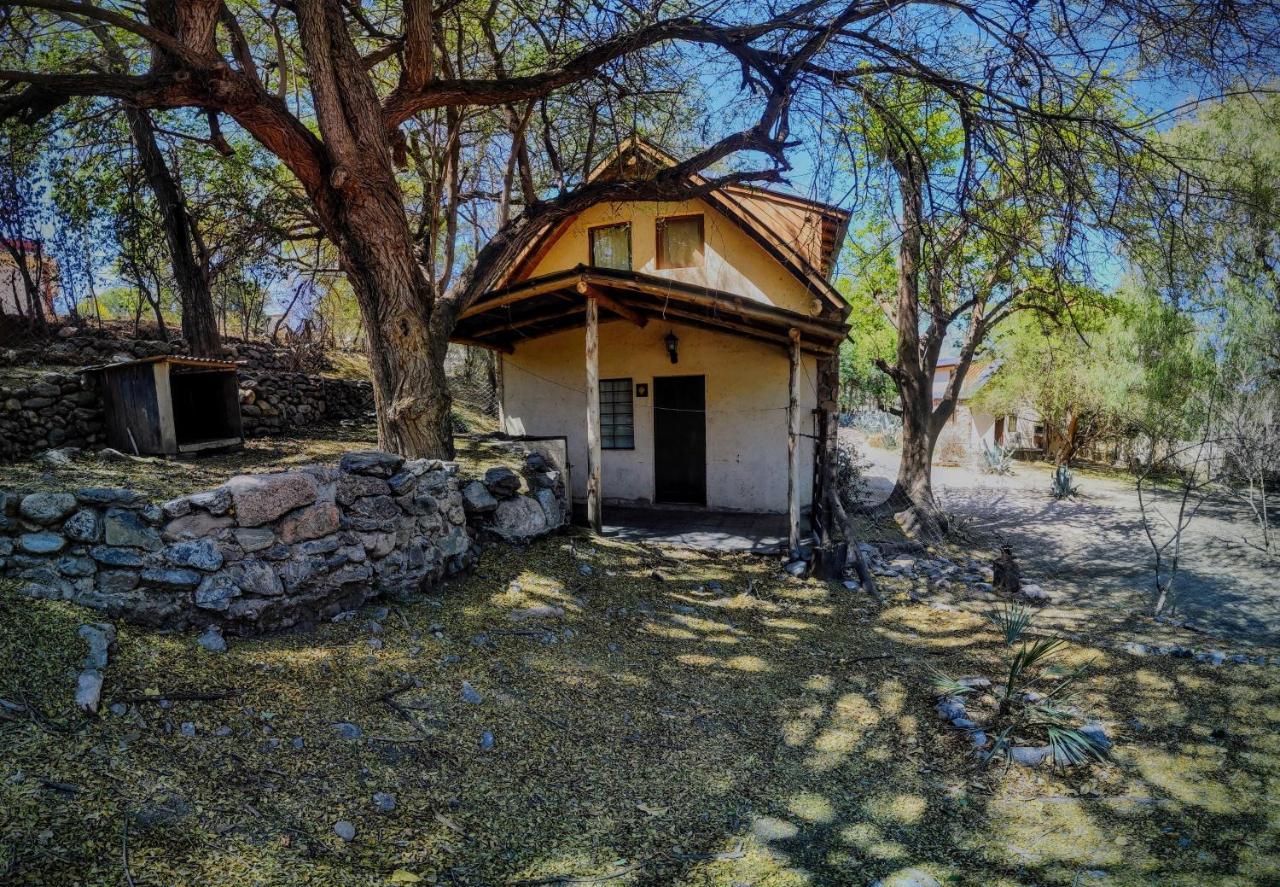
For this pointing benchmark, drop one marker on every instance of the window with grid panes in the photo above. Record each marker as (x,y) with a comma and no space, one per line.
(617,428)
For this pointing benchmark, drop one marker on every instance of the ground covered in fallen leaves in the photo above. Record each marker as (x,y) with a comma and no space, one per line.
(636,716)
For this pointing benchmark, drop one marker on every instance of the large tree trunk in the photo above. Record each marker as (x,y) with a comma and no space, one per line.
(199,324)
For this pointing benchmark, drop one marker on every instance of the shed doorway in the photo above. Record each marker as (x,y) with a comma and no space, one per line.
(680,440)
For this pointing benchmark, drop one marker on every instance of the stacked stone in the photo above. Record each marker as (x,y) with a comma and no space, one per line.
(262,552)
(85,347)
(54,410)
(275,403)
(497,505)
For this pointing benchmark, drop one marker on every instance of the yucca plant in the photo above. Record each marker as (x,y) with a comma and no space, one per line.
(1011,620)
(1061,487)
(996,460)
(946,686)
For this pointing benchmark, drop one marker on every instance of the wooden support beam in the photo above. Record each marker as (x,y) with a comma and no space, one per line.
(722,323)
(519,294)
(512,326)
(793,445)
(594,504)
(605,301)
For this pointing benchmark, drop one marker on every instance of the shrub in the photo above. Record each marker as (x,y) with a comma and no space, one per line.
(851,480)
(1061,486)
(996,460)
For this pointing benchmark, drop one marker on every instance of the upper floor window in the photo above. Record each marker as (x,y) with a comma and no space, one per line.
(611,246)
(680,242)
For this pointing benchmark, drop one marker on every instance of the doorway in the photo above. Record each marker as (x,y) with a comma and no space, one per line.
(680,440)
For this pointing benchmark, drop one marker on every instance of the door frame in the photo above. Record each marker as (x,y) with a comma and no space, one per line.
(702,503)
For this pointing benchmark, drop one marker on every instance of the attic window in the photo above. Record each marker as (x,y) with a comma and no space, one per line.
(680,242)
(611,246)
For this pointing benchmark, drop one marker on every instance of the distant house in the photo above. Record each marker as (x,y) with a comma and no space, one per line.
(684,349)
(13,291)
(970,431)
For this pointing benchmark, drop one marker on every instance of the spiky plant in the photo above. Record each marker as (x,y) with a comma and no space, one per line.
(996,460)
(946,686)
(1061,487)
(1011,620)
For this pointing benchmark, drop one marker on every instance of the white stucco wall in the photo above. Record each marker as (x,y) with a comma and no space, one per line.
(544,393)
(733,262)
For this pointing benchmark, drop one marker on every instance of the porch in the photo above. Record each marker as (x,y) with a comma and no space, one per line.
(697,528)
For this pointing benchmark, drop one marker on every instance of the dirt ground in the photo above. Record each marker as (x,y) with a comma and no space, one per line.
(1091,550)
(679,718)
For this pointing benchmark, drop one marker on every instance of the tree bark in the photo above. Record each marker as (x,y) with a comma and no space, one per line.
(199,325)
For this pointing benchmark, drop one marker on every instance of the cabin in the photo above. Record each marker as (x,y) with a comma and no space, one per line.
(971,430)
(686,350)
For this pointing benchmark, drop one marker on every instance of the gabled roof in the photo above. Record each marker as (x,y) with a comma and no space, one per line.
(803,235)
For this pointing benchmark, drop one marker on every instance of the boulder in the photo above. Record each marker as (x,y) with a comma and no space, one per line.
(374,463)
(45,508)
(252,539)
(196,525)
(215,592)
(253,576)
(550,507)
(213,501)
(502,482)
(89,691)
(518,519)
(261,498)
(476,498)
(351,487)
(111,496)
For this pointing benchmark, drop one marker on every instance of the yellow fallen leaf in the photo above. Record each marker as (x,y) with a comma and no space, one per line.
(403,876)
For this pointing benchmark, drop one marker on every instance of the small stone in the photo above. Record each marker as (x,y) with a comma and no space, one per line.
(83,526)
(908,877)
(372,463)
(298,742)
(126,528)
(476,498)
(216,502)
(486,741)
(1029,755)
(502,481)
(539,611)
(976,683)
(470,694)
(796,568)
(41,543)
(212,640)
(202,554)
(950,708)
(384,802)
(963,723)
(222,731)
(172,577)
(116,557)
(89,690)
(188,729)
(1033,592)
(347,730)
(584,569)
(119,709)
(99,636)
(344,830)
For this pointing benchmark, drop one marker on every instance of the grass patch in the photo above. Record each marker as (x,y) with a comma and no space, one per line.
(658,732)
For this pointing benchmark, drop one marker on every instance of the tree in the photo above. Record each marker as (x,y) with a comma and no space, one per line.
(343,94)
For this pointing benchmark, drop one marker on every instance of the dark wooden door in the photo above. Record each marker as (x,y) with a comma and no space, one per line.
(680,439)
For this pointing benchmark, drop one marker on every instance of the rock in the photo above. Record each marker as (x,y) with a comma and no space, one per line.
(976,683)
(171,577)
(539,611)
(179,507)
(41,543)
(351,487)
(215,592)
(348,730)
(58,458)
(908,877)
(196,526)
(1135,649)
(345,830)
(122,497)
(116,557)
(116,581)
(45,508)
(261,498)
(119,709)
(212,640)
(99,636)
(963,724)
(253,539)
(126,528)
(502,482)
(486,741)
(89,690)
(83,526)
(1033,592)
(202,554)
(518,519)
(1029,755)
(384,801)
(550,507)
(256,577)
(216,502)
(471,694)
(949,708)
(584,569)
(402,482)
(796,568)
(298,742)
(373,463)
(979,739)
(476,498)
(311,522)
(188,729)
(1097,733)
(166,809)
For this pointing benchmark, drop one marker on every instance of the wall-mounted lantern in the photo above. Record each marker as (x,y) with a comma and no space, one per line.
(673,344)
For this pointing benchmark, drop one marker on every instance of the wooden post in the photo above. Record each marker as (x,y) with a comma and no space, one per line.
(793,445)
(594,511)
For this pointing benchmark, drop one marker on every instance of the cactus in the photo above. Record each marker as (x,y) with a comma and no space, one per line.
(1062,486)
(997,460)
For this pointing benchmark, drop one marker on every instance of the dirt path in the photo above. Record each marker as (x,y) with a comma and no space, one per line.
(1093,553)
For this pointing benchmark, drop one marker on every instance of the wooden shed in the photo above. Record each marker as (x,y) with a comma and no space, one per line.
(171,405)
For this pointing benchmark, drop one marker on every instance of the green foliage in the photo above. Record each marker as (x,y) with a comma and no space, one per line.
(1061,486)
(996,460)
(1012,620)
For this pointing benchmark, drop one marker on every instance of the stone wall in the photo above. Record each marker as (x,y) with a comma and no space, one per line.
(268,551)
(276,403)
(49,410)
(39,412)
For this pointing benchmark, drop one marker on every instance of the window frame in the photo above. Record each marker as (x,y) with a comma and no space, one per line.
(660,225)
(629,387)
(591,246)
